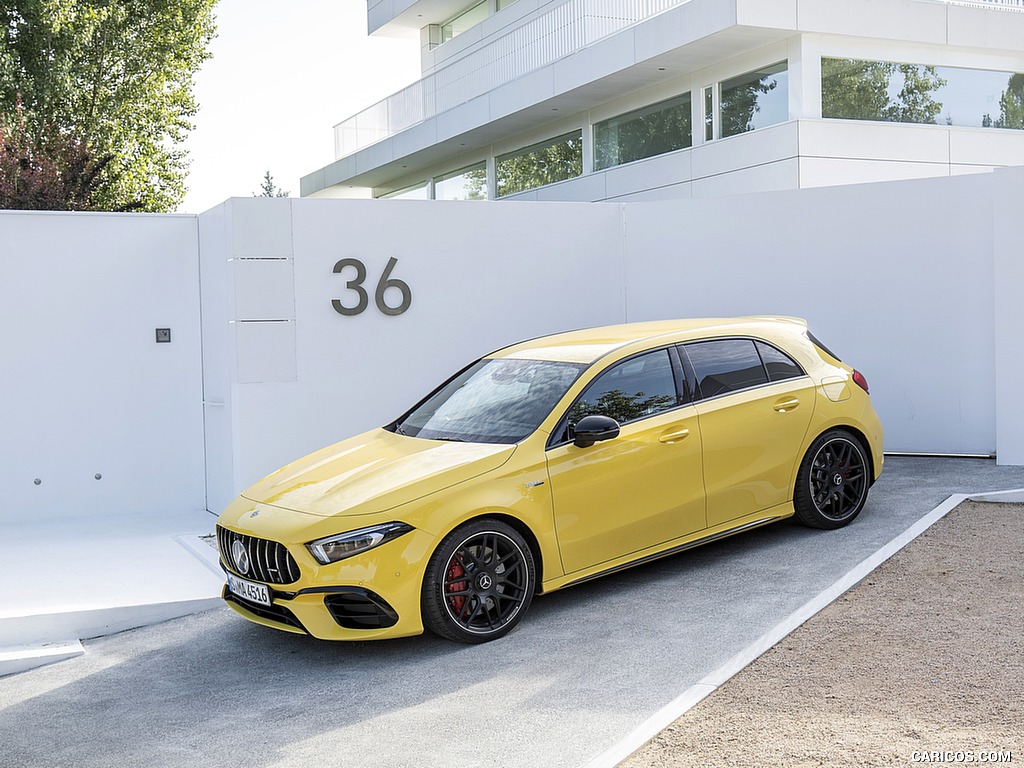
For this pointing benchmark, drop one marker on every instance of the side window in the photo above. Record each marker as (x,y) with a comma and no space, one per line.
(635,388)
(780,365)
(726,366)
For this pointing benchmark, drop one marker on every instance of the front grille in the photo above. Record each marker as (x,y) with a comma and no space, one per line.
(360,609)
(268,561)
(277,613)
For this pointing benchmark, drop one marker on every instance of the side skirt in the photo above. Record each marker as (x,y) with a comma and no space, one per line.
(673,550)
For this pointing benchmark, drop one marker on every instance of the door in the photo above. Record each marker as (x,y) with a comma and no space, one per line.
(755,407)
(637,490)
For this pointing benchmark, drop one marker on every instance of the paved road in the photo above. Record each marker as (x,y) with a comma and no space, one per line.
(586,667)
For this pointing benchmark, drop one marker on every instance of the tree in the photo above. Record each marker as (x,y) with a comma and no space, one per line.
(476,184)
(852,89)
(740,102)
(914,103)
(52,172)
(653,131)
(116,75)
(269,188)
(621,406)
(855,90)
(1011,104)
(559,160)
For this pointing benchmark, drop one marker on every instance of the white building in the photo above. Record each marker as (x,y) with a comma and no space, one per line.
(591,100)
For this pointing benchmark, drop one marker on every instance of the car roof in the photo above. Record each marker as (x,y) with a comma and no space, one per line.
(589,344)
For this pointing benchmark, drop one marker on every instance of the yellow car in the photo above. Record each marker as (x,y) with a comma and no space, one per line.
(549,463)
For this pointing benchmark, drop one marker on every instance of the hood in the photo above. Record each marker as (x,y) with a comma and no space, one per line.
(375,472)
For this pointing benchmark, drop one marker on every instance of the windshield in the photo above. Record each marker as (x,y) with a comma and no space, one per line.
(492,401)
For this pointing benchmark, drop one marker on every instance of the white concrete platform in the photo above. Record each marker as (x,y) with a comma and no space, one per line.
(67,580)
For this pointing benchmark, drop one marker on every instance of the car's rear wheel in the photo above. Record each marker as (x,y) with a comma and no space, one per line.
(833,481)
(479,582)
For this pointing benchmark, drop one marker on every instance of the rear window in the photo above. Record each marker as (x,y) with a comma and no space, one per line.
(779,365)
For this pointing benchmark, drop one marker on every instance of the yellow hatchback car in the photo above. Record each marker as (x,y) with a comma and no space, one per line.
(549,463)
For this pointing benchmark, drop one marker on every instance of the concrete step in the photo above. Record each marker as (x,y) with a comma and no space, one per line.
(96,577)
(24,658)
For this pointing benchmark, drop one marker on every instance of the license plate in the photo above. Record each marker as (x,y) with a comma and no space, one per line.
(248,590)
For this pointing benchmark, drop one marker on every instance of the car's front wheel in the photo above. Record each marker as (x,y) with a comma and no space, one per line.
(479,582)
(832,484)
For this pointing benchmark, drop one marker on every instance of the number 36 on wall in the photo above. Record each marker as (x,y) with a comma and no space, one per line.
(363,298)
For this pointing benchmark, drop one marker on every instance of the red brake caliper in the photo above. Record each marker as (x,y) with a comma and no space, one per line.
(455,571)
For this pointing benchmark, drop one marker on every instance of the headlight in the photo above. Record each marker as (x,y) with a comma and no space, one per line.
(335,548)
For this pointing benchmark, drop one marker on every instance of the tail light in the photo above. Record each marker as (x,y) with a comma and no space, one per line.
(860,381)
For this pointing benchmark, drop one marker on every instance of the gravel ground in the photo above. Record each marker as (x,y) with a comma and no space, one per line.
(920,663)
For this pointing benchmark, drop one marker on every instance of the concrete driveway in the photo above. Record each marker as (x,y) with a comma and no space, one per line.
(586,667)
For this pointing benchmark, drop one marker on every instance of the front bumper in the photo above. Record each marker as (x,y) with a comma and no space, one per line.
(375,594)
(328,613)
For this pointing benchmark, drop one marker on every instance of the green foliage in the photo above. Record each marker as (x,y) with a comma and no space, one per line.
(1011,104)
(269,189)
(653,131)
(52,172)
(117,75)
(544,164)
(860,90)
(855,90)
(740,102)
(476,184)
(620,406)
(914,103)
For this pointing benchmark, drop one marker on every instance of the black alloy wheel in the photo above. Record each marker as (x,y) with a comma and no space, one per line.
(833,481)
(479,582)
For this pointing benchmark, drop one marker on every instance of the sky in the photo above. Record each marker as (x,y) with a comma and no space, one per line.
(281,76)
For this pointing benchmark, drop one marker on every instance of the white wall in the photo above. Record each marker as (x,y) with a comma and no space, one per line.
(896,278)
(481,276)
(84,387)
(1008,246)
(917,283)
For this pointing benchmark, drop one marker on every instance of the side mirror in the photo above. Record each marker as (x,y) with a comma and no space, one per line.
(594,428)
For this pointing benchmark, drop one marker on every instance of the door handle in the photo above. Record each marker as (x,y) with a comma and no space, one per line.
(672,437)
(782,406)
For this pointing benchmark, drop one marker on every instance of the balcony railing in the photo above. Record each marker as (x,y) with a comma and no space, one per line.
(537,43)
(1009,5)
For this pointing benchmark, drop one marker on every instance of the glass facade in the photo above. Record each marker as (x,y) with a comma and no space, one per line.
(854,89)
(709,113)
(420,191)
(653,130)
(543,163)
(465,184)
(468,18)
(754,100)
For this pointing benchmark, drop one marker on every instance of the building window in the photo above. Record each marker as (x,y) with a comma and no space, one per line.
(754,100)
(852,89)
(653,130)
(465,184)
(501,5)
(709,113)
(468,18)
(418,191)
(544,163)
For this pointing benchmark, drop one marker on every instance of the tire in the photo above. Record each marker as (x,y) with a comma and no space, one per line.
(479,582)
(833,480)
